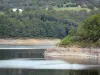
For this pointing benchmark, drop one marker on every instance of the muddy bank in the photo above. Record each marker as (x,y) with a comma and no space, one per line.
(29,41)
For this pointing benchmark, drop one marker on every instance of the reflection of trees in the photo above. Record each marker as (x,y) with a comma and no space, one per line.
(9,54)
(48,72)
(75,59)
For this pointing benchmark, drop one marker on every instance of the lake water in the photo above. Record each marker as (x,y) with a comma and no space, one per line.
(30,60)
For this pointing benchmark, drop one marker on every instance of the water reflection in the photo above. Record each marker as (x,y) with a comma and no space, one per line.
(77,60)
(30,61)
(44,64)
(26,46)
(21,53)
(48,72)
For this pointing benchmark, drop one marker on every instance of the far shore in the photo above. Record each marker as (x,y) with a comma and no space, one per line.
(53,52)
(28,41)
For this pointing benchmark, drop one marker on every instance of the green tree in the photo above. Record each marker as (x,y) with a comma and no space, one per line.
(90,30)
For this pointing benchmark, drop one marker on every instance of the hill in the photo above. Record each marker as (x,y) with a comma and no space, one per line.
(49,3)
(43,18)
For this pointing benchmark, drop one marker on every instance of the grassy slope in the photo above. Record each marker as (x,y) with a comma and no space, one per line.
(71,8)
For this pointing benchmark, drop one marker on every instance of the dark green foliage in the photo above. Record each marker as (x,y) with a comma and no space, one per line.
(88,34)
(34,22)
(90,30)
(37,23)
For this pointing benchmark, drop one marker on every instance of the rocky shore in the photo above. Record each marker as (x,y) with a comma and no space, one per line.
(73,51)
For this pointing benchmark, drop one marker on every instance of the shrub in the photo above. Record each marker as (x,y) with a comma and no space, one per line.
(90,30)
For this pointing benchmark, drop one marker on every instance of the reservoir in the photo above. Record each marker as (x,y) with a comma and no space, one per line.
(30,60)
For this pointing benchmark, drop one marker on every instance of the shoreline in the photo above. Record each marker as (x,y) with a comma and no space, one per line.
(73,51)
(28,41)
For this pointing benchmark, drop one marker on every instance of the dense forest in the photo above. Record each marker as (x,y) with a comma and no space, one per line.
(37,23)
(39,18)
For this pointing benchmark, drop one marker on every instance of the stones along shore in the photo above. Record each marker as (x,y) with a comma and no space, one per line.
(81,52)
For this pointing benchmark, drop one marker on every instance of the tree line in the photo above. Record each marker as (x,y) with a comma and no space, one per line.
(34,23)
(41,23)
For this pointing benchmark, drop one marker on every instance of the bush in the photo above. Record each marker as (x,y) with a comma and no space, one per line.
(66,41)
(90,30)
(69,40)
(88,34)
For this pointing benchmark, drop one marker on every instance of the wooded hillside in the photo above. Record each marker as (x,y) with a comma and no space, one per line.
(49,3)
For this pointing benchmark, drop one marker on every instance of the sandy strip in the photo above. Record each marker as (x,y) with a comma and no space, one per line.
(29,41)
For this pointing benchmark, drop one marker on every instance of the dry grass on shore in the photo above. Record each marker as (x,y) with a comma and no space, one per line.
(29,41)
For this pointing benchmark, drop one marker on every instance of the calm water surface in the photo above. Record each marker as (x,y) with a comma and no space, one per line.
(30,60)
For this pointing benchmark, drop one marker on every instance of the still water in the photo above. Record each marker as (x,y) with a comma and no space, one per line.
(30,60)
